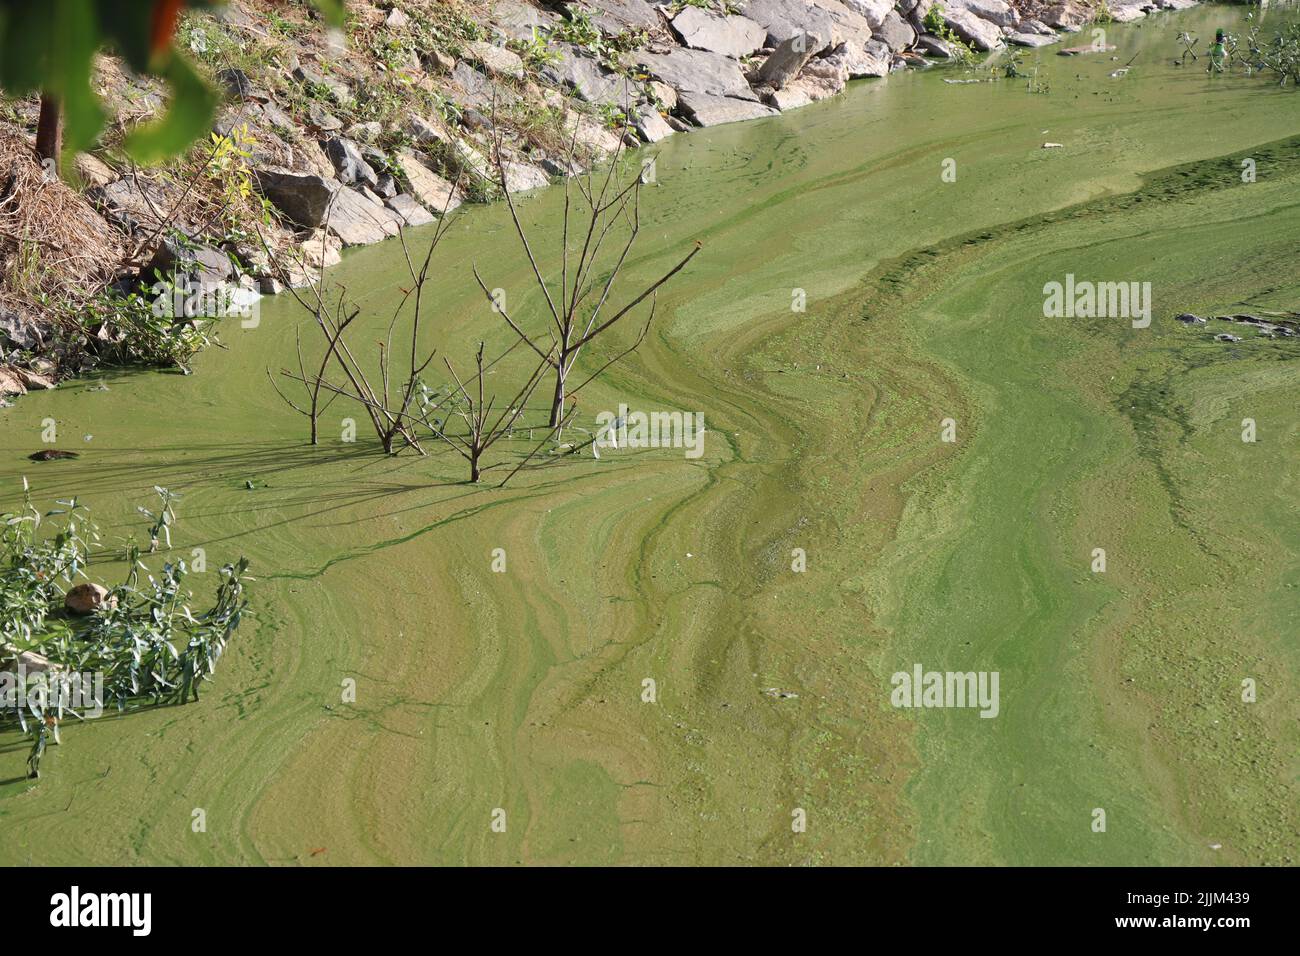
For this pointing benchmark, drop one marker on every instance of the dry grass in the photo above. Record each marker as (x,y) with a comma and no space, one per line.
(53,244)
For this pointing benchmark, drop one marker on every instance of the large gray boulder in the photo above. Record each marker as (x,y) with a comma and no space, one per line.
(709,110)
(1128,12)
(895,32)
(359,220)
(858,60)
(589,80)
(412,213)
(994,11)
(698,71)
(615,16)
(649,124)
(349,165)
(787,60)
(873,11)
(481,93)
(784,18)
(313,80)
(302,197)
(497,60)
(202,265)
(1070,15)
(427,186)
(732,36)
(517,20)
(980,34)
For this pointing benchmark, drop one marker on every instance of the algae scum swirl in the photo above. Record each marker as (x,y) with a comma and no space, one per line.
(923,478)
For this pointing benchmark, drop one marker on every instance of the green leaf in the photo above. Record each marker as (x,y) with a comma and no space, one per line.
(331,10)
(73,42)
(188,116)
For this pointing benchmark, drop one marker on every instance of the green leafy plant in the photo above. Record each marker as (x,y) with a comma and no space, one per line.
(144,644)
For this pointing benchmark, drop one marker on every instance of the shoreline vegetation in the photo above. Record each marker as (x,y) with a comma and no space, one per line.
(331,139)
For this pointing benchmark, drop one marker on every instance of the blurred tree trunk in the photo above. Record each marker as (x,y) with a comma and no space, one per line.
(49,130)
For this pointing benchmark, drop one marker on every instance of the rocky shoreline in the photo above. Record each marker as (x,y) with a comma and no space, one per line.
(327,145)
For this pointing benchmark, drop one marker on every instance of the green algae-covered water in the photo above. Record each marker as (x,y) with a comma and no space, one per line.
(1120,691)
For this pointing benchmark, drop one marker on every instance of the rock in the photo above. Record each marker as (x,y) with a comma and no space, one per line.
(1070,15)
(521,177)
(425,133)
(1036,26)
(235,82)
(131,203)
(664,94)
(88,598)
(495,59)
(710,110)
(411,211)
(348,164)
(994,11)
(650,125)
(302,197)
(518,20)
(11,384)
(94,172)
(587,78)
(1190,319)
(734,36)
(32,380)
(319,250)
(365,132)
(396,19)
(787,60)
(481,92)
(697,71)
(931,45)
(615,16)
(980,34)
(429,188)
(314,80)
(202,265)
(875,11)
(858,61)
(436,61)
(277,119)
(784,18)
(1226,337)
(25,662)
(1032,39)
(269,285)
(1127,13)
(1053,146)
(360,221)
(820,79)
(895,32)
(19,332)
(322,118)
(788,99)
(386,186)
(587,133)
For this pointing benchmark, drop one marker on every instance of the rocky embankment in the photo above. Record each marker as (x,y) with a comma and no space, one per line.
(326,141)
